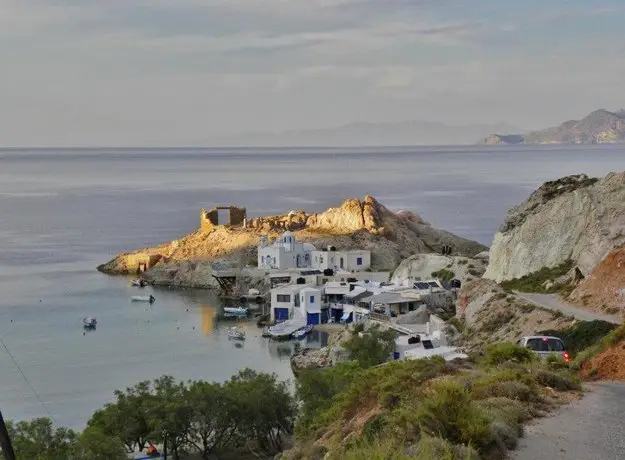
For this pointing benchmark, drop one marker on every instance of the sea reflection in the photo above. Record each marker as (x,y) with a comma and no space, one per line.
(208,314)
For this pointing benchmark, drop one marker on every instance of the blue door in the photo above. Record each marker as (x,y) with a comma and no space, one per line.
(313,318)
(281,314)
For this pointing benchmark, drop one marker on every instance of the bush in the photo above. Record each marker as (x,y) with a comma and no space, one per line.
(459,323)
(443,274)
(615,337)
(534,282)
(451,414)
(501,352)
(557,380)
(373,348)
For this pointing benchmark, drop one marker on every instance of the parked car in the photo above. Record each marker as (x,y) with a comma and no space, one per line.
(544,346)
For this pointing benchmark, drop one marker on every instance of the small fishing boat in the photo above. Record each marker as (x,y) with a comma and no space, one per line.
(138,283)
(238,311)
(143,298)
(90,322)
(236,333)
(303,332)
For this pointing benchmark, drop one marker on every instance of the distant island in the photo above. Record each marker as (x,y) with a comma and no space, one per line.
(599,127)
(364,134)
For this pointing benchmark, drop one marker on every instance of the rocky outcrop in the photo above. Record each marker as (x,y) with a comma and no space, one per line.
(319,358)
(574,218)
(493,316)
(604,289)
(502,139)
(428,266)
(356,224)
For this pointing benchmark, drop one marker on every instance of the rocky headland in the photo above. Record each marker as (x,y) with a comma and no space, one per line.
(575,218)
(599,127)
(355,224)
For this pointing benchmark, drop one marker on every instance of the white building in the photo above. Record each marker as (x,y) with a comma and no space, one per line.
(284,253)
(351,261)
(310,305)
(284,301)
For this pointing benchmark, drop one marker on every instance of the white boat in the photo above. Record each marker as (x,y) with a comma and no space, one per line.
(90,322)
(238,311)
(138,283)
(303,332)
(236,333)
(143,298)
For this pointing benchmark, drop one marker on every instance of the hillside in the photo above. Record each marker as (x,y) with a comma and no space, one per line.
(599,127)
(356,224)
(574,219)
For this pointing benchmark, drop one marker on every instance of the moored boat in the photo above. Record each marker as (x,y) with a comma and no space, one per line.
(90,322)
(303,332)
(238,311)
(236,333)
(138,283)
(143,298)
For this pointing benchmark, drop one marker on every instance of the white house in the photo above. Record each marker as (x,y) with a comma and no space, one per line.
(310,305)
(286,299)
(284,253)
(352,261)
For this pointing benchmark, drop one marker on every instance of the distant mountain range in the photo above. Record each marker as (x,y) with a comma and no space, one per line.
(599,127)
(368,134)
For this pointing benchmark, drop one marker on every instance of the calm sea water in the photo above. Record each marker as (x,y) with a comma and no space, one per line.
(63,212)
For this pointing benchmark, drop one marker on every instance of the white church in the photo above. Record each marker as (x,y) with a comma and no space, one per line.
(286,253)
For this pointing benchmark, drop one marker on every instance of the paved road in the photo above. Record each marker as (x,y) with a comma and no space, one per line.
(553,302)
(590,429)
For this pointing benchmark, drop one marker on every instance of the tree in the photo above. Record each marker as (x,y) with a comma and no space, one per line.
(373,348)
(262,407)
(129,418)
(213,424)
(39,440)
(95,445)
(170,412)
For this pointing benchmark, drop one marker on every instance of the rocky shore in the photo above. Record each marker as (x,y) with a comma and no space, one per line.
(355,224)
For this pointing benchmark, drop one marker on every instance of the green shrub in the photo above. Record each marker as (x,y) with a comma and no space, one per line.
(451,414)
(459,323)
(501,352)
(534,282)
(614,337)
(558,380)
(443,274)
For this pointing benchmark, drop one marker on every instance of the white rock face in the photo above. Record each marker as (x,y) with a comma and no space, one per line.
(571,218)
(423,265)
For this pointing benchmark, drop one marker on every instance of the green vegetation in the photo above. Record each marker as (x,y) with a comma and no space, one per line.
(535,282)
(443,274)
(373,348)
(251,412)
(425,409)
(581,335)
(614,337)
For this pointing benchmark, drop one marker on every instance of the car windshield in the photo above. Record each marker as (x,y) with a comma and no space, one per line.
(545,344)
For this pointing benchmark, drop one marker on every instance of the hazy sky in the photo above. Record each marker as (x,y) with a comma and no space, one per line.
(173,72)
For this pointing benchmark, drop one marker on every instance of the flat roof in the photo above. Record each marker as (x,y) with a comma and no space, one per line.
(291,288)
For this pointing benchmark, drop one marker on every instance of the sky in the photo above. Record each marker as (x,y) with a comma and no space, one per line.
(180,72)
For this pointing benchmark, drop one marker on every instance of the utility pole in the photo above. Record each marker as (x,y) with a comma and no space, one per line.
(5,441)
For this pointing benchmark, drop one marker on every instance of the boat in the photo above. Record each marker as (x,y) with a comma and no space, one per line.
(143,298)
(303,332)
(238,311)
(90,322)
(236,333)
(138,283)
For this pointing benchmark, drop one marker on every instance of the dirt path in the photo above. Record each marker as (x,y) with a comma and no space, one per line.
(553,302)
(592,428)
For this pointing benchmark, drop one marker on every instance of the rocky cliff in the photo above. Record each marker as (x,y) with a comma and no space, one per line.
(356,224)
(428,266)
(599,127)
(573,218)
(604,289)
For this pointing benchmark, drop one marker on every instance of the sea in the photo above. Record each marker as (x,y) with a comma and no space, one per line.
(65,211)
